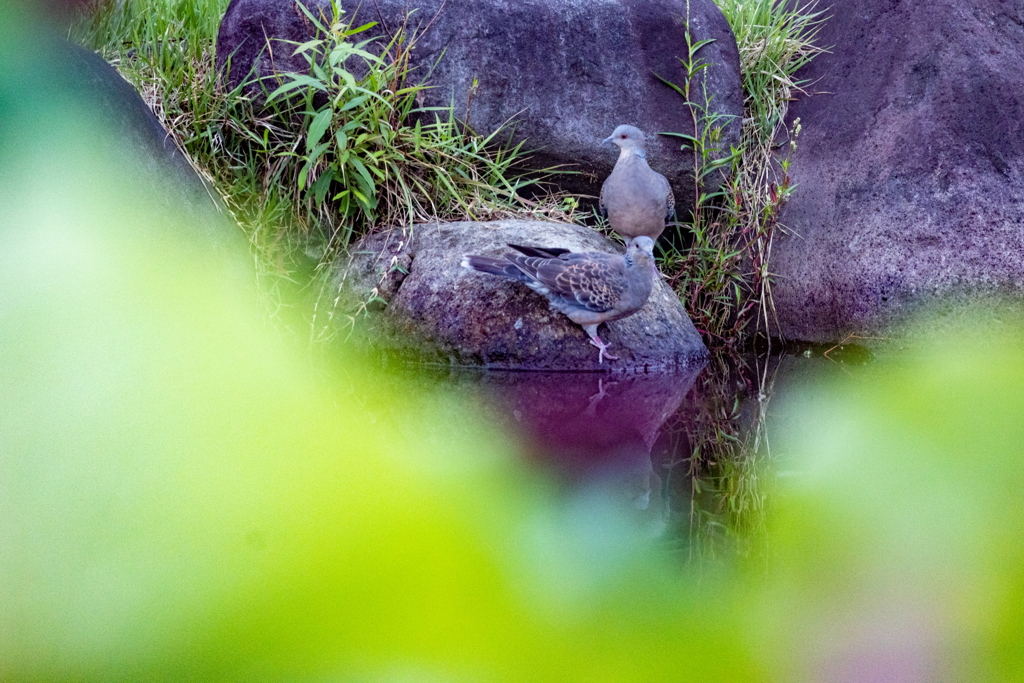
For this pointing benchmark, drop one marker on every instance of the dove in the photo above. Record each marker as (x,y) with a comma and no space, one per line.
(636,199)
(590,288)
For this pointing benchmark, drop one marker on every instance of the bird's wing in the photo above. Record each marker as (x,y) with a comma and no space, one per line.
(596,282)
(540,252)
(600,199)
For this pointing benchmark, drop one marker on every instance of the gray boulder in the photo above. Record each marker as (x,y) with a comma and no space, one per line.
(127,128)
(443,313)
(564,72)
(909,170)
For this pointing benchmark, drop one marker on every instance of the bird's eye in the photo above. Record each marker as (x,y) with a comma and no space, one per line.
(623,136)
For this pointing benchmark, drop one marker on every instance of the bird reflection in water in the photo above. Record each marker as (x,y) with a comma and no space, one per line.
(589,429)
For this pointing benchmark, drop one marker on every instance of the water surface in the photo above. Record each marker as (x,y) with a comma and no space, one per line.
(687,453)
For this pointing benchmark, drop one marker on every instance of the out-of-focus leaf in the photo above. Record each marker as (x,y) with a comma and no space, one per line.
(897,535)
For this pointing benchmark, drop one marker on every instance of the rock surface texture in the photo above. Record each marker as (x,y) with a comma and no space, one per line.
(565,72)
(444,313)
(910,167)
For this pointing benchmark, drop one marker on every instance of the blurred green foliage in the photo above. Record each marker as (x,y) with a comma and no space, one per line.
(897,537)
(181,498)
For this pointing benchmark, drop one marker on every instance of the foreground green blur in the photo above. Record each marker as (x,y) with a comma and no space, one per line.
(899,536)
(181,499)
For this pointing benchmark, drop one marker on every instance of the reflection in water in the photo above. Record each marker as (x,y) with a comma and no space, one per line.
(713,456)
(656,442)
(586,428)
(687,452)
(592,430)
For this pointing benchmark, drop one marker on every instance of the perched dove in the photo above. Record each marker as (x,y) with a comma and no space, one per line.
(589,287)
(636,199)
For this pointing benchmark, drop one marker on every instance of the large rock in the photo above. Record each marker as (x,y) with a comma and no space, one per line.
(909,172)
(565,72)
(444,313)
(128,129)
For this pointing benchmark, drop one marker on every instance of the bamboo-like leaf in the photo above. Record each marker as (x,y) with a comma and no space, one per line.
(318,127)
(339,55)
(354,103)
(368,56)
(308,45)
(359,29)
(316,22)
(304,173)
(689,138)
(318,151)
(320,187)
(360,196)
(298,81)
(346,78)
(694,47)
(357,163)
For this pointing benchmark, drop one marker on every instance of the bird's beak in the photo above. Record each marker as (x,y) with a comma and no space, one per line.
(608,140)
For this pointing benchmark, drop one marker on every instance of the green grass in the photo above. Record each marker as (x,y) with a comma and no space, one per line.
(337,156)
(331,158)
(723,275)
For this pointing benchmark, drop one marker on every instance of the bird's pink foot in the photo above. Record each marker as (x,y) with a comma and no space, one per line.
(596,341)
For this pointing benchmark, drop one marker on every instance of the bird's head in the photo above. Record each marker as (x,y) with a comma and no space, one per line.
(628,138)
(640,251)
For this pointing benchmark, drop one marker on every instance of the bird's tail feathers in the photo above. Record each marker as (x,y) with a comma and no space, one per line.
(494,266)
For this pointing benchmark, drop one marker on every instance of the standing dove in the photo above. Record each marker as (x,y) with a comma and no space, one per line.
(589,287)
(636,199)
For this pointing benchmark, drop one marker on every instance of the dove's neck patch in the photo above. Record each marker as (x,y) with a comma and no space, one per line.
(626,152)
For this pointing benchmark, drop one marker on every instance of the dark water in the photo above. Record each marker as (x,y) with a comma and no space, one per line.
(688,454)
